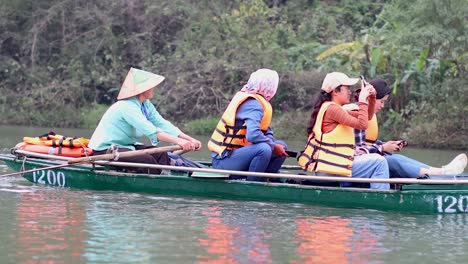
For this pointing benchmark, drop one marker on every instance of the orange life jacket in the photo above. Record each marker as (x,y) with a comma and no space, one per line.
(331,152)
(229,136)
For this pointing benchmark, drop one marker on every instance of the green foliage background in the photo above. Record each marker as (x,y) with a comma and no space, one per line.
(62,61)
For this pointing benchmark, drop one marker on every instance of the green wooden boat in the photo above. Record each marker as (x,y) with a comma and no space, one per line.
(427,196)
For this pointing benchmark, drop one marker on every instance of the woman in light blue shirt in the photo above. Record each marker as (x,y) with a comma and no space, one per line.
(134,116)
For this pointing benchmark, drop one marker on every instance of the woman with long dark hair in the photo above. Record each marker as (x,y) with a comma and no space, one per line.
(330,147)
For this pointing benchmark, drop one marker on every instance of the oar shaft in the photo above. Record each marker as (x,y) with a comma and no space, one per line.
(125,154)
(288,175)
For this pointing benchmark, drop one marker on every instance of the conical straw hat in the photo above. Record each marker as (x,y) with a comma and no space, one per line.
(138,81)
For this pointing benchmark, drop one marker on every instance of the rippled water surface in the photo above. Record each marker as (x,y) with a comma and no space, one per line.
(60,225)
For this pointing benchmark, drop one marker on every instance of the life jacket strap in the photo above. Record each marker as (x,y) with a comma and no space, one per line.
(349,167)
(233,127)
(229,135)
(335,145)
(227,145)
(328,151)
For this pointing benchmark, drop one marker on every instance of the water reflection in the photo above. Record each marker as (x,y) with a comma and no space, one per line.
(234,240)
(50,225)
(49,228)
(323,240)
(251,236)
(219,241)
(347,238)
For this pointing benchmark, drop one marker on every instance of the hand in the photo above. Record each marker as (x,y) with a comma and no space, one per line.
(366,91)
(197,144)
(403,143)
(279,150)
(185,144)
(392,146)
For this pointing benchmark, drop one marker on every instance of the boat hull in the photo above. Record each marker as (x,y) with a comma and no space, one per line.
(415,199)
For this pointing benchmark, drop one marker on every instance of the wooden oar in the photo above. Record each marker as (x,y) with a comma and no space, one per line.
(180,152)
(450,179)
(126,154)
(102,157)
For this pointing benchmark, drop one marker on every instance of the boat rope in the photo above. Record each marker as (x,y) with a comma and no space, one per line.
(23,165)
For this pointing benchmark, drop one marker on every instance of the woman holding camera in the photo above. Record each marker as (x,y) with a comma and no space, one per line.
(330,148)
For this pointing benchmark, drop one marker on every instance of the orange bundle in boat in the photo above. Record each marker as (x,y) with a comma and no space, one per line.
(58,145)
(54,140)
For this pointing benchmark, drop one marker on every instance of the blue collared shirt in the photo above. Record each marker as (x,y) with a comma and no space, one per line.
(126,121)
(360,138)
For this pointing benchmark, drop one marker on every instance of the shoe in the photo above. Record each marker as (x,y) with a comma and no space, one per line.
(456,166)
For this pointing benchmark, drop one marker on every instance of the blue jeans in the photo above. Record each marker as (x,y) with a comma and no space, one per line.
(255,157)
(403,167)
(371,166)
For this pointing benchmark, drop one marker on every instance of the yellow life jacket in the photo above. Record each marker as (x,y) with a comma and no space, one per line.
(331,152)
(54,140)
(229,136)
(372,131)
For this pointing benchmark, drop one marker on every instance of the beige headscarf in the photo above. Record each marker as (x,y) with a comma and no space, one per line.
(138,81)
(263,82)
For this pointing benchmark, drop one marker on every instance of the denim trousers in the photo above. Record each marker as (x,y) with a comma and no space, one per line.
(403,167)
(255,157)
(371,166)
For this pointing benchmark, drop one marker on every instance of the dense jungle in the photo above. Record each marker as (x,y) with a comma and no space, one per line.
(62,61)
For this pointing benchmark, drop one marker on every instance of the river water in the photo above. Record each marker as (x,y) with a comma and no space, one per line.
(59,225)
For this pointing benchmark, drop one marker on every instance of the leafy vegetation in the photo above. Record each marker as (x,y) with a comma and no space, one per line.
(63,57)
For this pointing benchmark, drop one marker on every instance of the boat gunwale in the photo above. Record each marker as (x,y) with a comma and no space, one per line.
(256,174)
(416,201)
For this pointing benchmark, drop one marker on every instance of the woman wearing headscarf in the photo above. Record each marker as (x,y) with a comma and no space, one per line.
(330,148)
(134,116)
(243,139)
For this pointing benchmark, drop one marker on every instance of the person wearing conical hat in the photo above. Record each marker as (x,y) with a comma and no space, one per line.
(134,116)
(399,165)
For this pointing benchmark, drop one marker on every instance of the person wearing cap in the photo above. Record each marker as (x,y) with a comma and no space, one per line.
(243,139)
(330,148)
(134,116)
(399,165)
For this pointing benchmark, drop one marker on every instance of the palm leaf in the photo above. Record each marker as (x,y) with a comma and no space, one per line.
(336,49)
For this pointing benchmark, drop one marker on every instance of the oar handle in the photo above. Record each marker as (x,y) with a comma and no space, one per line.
(180,151)
(125,154)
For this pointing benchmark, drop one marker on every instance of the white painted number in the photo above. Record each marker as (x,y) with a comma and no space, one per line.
(52,177)
(37,177)
(461,203)
(452,204)
(60,178)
